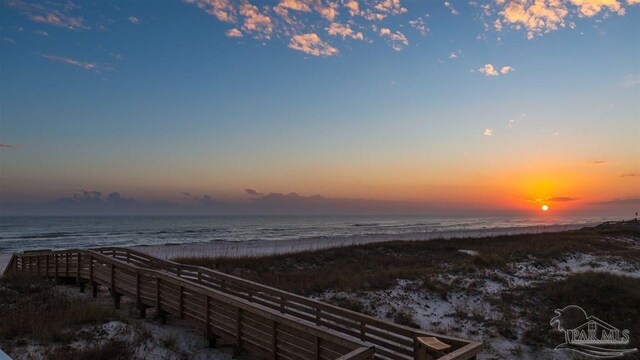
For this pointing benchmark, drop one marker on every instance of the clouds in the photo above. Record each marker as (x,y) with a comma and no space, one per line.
(223,10)
(301,22)
(451,8)
(344,31)
(420,26)
(234,33)
(85,65)
(93,202)
(255,22)
(539,17)
(8,146)
(556,199)
(589,8)
(618,202)
(252,192)
(597,162)
(312,44)
(490,70)
(343,20)
(294,5)
(488,132)
(397,39)
(60,14)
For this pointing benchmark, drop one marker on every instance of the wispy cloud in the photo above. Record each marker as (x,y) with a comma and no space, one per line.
(488,132)
(9,146)
(397,39)
(85,65)
(630,175)
(557,199)
(631,81)
(419,25)
(451,8)
(134,20)
(597,163)
(456,54)
(629,201)
(506,69)
(60,14)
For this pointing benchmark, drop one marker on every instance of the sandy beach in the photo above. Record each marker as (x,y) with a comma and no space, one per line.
(259,248)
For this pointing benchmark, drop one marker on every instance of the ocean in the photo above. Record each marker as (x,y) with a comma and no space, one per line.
(35,233)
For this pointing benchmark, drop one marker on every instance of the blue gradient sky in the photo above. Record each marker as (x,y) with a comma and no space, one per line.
(153,99)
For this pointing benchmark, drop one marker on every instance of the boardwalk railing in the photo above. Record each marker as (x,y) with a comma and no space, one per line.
(239,310)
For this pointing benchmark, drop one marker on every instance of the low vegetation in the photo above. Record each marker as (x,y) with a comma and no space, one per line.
(378,266)
(612,297)
(34,308)
(453,270)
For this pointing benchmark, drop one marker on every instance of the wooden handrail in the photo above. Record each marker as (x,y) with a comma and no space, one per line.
(391,341)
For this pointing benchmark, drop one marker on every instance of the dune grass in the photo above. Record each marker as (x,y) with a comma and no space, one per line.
(613,298)
(34,310)
(378,266)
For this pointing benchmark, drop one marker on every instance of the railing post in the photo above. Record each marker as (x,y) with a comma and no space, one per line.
(138,290)
(238,330)
(46,265)
(66,260)
(91,269)
(161,314)
(55,265)
(113,279)
(207,334)
(78,278)
(38,265)
(317,347)
(274,340)
(114,293)
(181,303)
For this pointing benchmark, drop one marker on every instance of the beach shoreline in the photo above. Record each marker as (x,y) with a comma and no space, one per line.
(274,247)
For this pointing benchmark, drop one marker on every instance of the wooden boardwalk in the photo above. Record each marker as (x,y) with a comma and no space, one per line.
(265,322)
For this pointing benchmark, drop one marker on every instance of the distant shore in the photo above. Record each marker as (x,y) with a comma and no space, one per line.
(272,247)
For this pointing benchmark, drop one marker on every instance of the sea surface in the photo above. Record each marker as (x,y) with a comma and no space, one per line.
(35,233)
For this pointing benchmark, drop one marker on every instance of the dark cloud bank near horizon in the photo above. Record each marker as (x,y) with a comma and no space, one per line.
(86,202)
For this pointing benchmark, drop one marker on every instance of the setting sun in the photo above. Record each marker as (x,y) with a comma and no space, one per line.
(545,207)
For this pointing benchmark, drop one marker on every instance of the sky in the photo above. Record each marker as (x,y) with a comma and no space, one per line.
(329,106)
